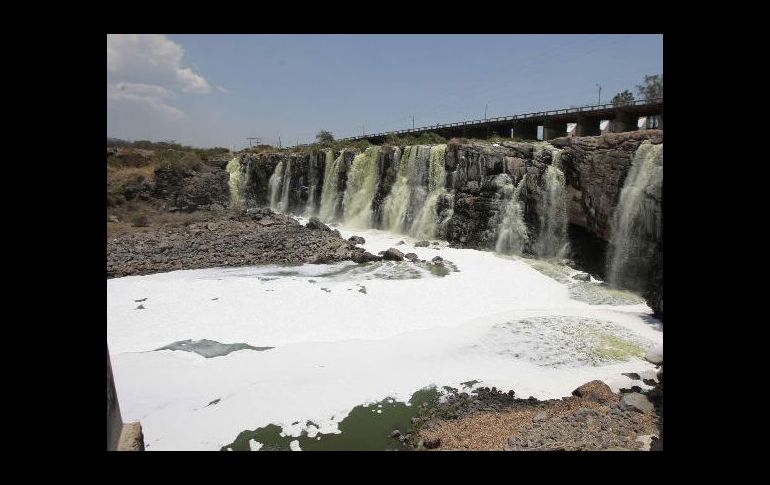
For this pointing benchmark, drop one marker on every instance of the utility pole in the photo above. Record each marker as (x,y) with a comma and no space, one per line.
(600,92)
(363,132)
(255,140)
(485,111)
(413,122)
(279,141)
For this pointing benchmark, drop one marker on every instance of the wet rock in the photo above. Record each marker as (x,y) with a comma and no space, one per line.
(140,307)
(594,391)
(655,355)
(422,244)
(316,224)
(400,243)
(582,277)
(357,240)
(393,254)
(395,433)
(649,382)
(365,257)
(633,376)
(411,257)
(437,258)
(636,402)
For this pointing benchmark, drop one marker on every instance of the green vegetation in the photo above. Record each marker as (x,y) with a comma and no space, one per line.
(428,138)
(652,87)
(624,98)
(325,136)
(140,220)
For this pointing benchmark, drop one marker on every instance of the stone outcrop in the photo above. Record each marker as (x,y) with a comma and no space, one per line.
(191,190)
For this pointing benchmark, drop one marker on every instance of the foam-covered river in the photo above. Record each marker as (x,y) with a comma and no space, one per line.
(293,350)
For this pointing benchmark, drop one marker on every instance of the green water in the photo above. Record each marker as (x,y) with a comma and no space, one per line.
(364,429)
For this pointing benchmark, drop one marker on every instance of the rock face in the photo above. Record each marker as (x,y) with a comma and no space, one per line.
(191,190)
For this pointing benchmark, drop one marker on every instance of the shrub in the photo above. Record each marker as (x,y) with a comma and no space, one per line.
(139,220)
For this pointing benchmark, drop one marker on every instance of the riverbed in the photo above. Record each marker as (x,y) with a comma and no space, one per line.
(291,352)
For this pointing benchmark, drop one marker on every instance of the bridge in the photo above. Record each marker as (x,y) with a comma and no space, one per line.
(525,126)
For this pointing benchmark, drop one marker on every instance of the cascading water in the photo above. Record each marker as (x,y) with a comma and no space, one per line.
(397,202)
(512,232)
(636,226)
(285,188)
(311,208)
(425,224)
(234,168)
(328,209)
(361,185)
(552,236)
(274,187)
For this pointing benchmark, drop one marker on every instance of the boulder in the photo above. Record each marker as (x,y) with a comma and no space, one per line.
(635,401)
(316,224)
(582,277)
(400,243)
(540,417)
(437,259)
(365,257)
(411,257)
(594,391)
(393,254)
(357,240)
(422,244)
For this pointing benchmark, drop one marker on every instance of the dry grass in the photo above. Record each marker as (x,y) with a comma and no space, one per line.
(155,218)
(489,431)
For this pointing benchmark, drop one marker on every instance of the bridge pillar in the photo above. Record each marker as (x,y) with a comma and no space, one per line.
(525,131)
(624,121)
(554,129)
(588,126)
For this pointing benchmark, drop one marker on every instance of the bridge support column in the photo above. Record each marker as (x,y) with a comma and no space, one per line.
(525,131)
(588,127)
(554,129)
(625,122)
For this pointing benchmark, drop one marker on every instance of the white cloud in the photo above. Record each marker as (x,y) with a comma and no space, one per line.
(145,95)
(146,72)
(222,90)
(151,58)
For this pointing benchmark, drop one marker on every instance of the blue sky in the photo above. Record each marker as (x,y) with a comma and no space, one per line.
(216,90)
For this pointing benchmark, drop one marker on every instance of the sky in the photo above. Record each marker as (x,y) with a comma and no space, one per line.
(218,90)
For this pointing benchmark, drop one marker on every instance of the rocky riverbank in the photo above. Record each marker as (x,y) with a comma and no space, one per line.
(592,419)
(259,236)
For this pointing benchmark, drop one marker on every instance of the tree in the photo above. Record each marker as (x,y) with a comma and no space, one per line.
(620,99)
(652,87)
(324,136)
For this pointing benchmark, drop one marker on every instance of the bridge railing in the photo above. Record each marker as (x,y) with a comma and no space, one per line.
(524,116)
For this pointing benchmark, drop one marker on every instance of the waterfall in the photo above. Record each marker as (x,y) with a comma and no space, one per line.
(552,237)
(512,231)
(285,187)
(636,226)
(396,203)
(234,168)
(425,224)
(328,209)
(311,207)
(359,192)
(274,186)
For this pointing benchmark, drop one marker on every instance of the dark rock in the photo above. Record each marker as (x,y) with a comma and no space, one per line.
(432,443)
(633,376)
(594,391)
(316,224)
(437,258)
(365,257)
(411,257)
(649,382)
(582,277)
(400,243)
(357,240)
(140,307)
(395,433)
(393,254)
(422,244)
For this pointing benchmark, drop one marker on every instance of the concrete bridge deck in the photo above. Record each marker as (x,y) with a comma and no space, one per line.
(588,118)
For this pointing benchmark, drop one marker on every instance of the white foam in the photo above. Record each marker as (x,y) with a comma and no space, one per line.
(336,350)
